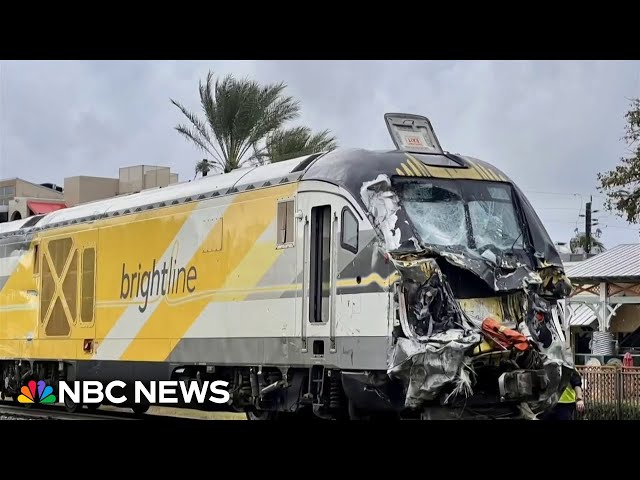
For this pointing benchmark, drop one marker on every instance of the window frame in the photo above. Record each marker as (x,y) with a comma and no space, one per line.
(292,242)
(524,223)
(8,191)
(37,267)
(318,274)
(81,322)
(344,245)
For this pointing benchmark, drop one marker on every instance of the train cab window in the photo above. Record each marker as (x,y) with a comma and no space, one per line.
(285,223)
(349,235)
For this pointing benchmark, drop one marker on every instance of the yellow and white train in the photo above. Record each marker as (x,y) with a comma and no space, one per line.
(344,283)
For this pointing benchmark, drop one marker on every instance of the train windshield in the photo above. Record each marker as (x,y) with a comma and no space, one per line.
(467,214)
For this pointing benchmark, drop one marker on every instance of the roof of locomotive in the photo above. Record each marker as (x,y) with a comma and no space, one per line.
(352,168)
(348,168)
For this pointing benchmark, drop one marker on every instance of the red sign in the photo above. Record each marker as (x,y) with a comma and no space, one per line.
(414,141)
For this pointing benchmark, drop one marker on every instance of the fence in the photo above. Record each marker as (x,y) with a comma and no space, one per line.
(611,392)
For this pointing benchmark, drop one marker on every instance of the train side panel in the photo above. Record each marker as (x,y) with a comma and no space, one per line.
(66,275)
(203,282)
(227,282)
(52,305)
(213,264)
(18,296)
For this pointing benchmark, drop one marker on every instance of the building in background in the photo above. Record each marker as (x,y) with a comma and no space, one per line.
(142,177)
(570,257)
(20,199)
(83,189)
(603,311)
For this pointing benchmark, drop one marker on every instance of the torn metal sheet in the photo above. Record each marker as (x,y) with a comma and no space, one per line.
(428,366)
(503,277)
(382,204)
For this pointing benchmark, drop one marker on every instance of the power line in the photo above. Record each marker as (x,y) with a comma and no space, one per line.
(602,216)
(620,226)
(571,194)
(567,222)
(558,208)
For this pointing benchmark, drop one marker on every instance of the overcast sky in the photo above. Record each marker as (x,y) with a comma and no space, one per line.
(551,125)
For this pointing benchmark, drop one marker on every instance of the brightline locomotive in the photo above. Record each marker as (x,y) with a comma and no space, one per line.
(410,282)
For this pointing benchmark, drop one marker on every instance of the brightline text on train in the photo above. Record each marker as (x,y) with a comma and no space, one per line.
(163,392)
(166,281)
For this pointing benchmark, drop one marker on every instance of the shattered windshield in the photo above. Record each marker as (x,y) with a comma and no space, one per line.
(469,214)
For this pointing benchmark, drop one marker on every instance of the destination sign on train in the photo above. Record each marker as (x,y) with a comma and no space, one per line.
(412,133)
(412,139)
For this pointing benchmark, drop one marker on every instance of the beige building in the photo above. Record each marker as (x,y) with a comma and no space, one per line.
(20,199)
(83,189)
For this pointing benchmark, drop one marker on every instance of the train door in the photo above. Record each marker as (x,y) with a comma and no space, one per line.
(318,232)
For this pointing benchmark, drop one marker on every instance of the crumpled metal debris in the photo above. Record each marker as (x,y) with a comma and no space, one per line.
(431,307)
(382,204)
(435,355)
(438,336)
(557,362)
(429,366)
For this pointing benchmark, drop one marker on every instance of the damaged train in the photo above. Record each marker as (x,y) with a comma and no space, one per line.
(410,283)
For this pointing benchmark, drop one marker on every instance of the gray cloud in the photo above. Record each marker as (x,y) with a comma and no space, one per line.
(550,125)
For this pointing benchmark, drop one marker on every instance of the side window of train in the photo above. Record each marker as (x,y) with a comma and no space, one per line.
(285,224)
(349,234)
(36,259)
(87,285)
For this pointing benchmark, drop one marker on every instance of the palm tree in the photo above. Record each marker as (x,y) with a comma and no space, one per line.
(238,115)
(203,167)
(285,144)
(580,242)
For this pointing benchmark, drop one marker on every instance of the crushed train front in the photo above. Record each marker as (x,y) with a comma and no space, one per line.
(476,333)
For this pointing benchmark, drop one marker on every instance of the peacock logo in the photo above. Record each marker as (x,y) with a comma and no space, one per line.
(28,393)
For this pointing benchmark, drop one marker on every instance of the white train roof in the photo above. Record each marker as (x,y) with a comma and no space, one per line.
(13,225)
(204,187)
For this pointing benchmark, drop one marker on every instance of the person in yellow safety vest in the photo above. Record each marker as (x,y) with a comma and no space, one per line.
(570,401)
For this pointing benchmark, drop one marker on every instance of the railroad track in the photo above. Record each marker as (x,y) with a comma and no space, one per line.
(58,412)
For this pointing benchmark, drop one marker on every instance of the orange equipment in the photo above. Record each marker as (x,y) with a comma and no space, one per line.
(504,337)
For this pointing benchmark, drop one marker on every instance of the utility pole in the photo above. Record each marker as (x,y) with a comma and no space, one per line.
(587,228)
(588,223)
